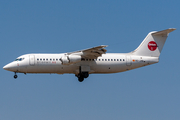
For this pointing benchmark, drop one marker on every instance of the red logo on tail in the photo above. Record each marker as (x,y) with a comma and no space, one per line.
(152,45)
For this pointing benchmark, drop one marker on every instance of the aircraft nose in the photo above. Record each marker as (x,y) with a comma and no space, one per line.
(10,67)
(6,67)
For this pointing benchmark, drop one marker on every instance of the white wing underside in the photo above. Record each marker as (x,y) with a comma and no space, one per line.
(91,53)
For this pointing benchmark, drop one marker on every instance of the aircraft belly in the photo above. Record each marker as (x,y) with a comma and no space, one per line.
(109,68)
(41,69)
(60,69)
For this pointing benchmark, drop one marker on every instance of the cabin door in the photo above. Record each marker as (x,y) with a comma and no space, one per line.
(31,59)
(128,60)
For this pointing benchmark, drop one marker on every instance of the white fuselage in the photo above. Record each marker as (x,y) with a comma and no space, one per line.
(51,63)
(93,60)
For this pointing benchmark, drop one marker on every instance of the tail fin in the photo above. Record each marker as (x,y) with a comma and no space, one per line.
(153,43)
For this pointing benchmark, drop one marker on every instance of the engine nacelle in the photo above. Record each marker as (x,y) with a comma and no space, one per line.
(64,60)
(74,58)
(70,59)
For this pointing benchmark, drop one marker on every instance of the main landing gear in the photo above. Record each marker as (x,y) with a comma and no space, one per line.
(82,75)
(15,76)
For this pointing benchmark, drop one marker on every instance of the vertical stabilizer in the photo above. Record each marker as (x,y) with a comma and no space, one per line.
(153,43)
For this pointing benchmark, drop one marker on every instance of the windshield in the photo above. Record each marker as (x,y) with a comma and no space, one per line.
(19,59)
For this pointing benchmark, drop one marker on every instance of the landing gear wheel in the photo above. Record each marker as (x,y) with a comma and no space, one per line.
(80,79)
(15,76)
(85,74)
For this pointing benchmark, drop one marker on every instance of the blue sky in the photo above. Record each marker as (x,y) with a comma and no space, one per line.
(52,26)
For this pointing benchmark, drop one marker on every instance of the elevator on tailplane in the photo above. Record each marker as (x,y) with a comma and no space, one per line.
(93,60)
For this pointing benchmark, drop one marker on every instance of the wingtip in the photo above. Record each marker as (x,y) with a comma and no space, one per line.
(104,45)
(172,29)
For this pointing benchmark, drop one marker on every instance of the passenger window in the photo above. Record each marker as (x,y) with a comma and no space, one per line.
(47,59)
(99,59)
(102,59)
(117,59)
(120,59)
(50,59)
(111,59)
(108,59)
(82,59)
(123,59)
(40,59)
(43,59)
(114,59)
(37,59)
(56,59)
(105,59)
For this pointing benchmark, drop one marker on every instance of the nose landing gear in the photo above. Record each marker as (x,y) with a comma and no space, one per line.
(15,76)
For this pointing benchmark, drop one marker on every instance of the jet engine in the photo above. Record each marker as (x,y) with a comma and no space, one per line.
(70,59)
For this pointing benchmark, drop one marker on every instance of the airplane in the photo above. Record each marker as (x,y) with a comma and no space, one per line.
(93,60)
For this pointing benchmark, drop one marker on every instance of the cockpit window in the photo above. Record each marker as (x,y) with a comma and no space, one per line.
(19,59)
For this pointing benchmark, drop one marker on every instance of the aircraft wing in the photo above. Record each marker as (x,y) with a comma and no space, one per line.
(91,53)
